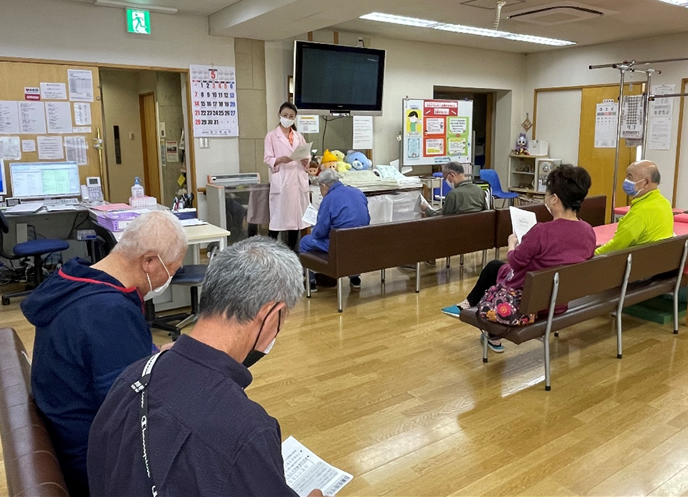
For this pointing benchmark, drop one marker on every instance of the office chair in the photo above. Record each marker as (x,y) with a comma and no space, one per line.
(191,276)
(492,178)
(31,248)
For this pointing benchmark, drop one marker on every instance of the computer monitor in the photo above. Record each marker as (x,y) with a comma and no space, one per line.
(44,179)
(3,183)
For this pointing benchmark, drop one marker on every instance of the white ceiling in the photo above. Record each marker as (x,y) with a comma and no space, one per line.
(284,19)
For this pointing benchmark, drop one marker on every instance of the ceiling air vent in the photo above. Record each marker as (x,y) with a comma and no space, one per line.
(558,13)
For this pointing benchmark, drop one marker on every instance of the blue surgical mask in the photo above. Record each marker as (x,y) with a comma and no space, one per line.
(629,187)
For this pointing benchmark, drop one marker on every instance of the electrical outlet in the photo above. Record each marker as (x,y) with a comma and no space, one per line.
(132,136)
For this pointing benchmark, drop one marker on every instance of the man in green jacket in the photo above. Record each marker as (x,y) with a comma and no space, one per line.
(464,197)
(650,218)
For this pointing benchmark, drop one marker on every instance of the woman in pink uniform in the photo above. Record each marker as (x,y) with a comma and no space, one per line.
(288,178)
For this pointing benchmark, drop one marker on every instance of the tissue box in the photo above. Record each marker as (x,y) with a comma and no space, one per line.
(538,147)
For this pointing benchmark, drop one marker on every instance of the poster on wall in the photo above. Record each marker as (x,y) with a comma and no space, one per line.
(632,117)
(436,131)
(606,119)
(661,117)
(213,101)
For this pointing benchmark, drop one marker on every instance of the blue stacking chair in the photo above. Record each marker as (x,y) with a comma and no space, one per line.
(491,176)
(32,248)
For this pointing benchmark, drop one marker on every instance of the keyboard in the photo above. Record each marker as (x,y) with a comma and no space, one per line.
(60,201)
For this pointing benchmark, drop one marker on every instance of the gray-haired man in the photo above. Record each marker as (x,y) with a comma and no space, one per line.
(464,197)
(180,422)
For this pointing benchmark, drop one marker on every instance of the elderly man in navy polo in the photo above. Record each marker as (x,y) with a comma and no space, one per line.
(342,207)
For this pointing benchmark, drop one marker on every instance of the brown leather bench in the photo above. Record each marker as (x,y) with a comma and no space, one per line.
(592,212)
(381,246)
(31,466)
(592,288)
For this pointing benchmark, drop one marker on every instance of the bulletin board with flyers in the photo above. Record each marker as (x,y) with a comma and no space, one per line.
(436,132)
(50,113)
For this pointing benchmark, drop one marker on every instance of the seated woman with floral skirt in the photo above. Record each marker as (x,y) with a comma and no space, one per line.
(564,240)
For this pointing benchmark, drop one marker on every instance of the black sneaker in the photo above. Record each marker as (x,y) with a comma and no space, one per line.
(355,282)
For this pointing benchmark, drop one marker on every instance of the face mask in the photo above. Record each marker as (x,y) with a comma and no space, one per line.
(629,187)
(256,355)
(158,291)
(287,123)
(547,206)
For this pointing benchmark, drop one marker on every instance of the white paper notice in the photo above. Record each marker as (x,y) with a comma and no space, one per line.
(311,215)
(54,91)
(660,133)
(308,124)
(605,124)
(50,148)
(304,471)
(632,117)
(301,152)
(9,118)
(82,129)
(59,117)
(662,107)
(9,147)
(32,118)
(82,114)
(28,145)
(521,221)
(363,133)
(75,146)
(80,85)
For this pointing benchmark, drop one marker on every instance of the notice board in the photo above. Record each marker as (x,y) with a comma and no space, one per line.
(437,132)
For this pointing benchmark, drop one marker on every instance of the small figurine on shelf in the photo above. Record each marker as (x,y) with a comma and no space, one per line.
(329,160)
(521,145)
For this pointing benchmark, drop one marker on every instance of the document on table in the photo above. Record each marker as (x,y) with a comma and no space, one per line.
(305,471)
(311,215)
(302,152)
(26,207)
(192,222)
(521,221)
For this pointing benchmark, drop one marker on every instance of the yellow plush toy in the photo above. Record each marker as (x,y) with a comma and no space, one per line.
(341,166)
(329,160)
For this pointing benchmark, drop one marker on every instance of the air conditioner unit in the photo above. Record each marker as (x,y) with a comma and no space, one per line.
(234,179)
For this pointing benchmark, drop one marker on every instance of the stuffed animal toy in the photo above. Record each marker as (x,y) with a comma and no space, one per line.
(313,168)
(329,160)
(521,145)
(342,166)
(358,161)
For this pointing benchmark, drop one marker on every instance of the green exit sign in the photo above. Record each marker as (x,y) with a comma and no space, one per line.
(138,21)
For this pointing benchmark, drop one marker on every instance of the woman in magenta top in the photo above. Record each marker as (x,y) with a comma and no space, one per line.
(564,240)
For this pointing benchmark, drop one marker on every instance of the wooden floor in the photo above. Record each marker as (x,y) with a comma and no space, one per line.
(395,393)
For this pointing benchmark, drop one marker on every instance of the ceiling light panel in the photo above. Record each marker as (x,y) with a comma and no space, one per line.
(680,3)
(406,21)
(468,30)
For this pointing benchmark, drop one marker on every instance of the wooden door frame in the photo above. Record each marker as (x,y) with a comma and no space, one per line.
(192,187)
(144,144)
(684,84)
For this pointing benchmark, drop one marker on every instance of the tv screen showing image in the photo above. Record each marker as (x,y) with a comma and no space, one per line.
(336,78)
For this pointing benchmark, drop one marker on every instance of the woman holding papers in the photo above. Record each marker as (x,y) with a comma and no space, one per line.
(287,156)
(564,240)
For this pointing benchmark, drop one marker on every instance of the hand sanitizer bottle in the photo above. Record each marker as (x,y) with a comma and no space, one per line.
(137,189)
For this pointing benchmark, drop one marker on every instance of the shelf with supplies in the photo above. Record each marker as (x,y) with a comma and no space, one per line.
(528,173)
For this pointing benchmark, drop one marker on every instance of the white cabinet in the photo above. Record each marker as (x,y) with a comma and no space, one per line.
(528,173)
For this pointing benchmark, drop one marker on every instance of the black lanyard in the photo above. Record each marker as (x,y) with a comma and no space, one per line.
(141,386)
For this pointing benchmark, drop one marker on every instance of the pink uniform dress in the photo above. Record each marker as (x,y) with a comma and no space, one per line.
(288,182)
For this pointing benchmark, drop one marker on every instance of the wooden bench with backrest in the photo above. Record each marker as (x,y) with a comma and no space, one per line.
(592,288)
(377,247)
(31,466)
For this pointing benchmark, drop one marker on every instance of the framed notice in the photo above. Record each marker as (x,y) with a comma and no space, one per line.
(437,131)
(213,101)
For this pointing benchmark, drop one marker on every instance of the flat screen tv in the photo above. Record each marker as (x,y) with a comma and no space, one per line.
(338,79)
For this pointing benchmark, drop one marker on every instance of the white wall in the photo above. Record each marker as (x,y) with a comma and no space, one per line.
(81,32)
(569,67)
(413,69)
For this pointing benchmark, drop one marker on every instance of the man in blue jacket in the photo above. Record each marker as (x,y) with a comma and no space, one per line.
(342,207)
(90,325)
